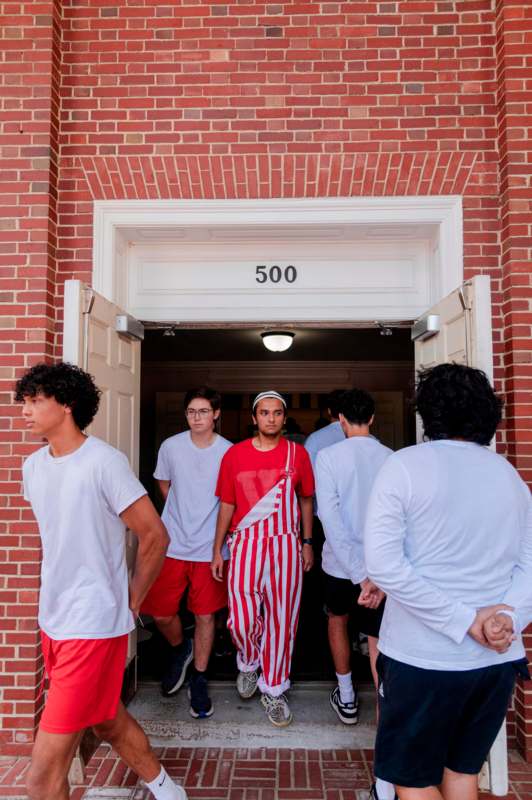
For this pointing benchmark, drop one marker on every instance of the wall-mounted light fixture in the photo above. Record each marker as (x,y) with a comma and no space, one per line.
(169,331)
(277,341)
(384,330)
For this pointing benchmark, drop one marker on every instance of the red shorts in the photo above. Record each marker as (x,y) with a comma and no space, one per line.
(85,682)
(205,595)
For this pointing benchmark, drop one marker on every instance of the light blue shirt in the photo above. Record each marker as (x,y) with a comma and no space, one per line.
(325,437)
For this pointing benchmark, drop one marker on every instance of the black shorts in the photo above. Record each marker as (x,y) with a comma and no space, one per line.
(432,719)
(341,597)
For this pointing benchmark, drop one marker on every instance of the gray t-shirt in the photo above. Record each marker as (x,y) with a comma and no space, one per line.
(191,508)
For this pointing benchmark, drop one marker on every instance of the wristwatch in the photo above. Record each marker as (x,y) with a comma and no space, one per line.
(307,541)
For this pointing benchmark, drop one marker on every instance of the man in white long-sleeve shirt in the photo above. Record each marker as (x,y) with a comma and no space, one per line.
(448,537)
(345,473)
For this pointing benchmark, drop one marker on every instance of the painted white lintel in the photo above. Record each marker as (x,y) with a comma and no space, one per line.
(113,218)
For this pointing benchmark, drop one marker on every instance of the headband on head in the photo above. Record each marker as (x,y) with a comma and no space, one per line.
(264,395)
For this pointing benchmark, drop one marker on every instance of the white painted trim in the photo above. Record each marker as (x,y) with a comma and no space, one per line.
(112,218)
(72,322)
(482,325)
(498,764)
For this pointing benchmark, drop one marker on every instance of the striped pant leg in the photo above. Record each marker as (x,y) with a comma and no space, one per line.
(245,621)
(282,581)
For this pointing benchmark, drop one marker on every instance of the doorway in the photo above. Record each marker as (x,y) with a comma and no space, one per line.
(234,361)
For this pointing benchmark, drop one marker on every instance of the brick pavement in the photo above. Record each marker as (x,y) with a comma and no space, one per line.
(244,774)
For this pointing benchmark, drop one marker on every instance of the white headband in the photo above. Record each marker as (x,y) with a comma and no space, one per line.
(272,393)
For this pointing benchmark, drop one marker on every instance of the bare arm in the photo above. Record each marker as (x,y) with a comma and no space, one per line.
(164,488)
(144,521)
(306,505)
(225,515)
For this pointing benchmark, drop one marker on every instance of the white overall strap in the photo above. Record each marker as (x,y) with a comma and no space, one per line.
(268,503)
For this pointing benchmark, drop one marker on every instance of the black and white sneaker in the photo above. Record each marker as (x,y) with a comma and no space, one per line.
(373,793)
(347,712)
(174,677)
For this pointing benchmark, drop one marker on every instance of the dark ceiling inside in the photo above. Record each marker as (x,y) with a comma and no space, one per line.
(309,345)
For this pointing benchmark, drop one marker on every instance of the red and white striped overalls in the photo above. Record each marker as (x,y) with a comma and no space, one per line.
(265,579)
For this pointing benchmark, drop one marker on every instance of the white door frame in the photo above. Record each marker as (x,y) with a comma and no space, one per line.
(116,222)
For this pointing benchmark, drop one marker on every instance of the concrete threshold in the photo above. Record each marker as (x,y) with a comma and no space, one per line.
(243,723)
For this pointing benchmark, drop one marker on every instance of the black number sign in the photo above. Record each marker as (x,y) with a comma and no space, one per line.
(275,274)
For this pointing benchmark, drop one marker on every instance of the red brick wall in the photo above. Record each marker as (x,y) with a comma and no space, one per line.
(29,111)
(212,99)
(514,49)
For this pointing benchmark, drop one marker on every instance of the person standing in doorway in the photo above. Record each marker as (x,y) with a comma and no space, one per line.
(324,437)
(265,487)
(187,470)
(84,496)
(448,537)
(328,434)
(344,476)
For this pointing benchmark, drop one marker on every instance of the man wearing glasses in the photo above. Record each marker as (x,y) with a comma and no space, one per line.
(186,472)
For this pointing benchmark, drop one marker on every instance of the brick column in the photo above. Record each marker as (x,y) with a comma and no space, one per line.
(28,148)
(514,65)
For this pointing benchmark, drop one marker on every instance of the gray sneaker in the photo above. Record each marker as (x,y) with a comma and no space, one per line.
(277,710)
(246,684)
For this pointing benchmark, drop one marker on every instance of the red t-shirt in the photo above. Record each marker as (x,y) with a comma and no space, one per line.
(247,474)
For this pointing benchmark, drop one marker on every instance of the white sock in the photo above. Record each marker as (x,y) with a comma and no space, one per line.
(163,788)
(385,790)
(347,693)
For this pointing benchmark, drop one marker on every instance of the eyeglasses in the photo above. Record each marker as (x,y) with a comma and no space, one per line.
(198,412)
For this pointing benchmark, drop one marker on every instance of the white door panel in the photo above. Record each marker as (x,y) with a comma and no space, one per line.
(465,328)
(91,342)
(465,337)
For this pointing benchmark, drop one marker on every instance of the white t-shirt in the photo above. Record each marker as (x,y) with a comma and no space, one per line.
(344,476)
(191,508)
(77,500)
(448,531)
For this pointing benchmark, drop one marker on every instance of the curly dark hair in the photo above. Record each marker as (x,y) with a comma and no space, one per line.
(66,383)
(357,406)
(457,402)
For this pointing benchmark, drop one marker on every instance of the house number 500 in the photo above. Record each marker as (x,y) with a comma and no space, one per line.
(275,274)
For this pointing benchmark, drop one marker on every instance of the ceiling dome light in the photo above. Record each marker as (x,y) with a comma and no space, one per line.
(277,341)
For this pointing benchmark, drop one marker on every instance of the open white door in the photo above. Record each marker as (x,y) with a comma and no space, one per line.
(462,332)
(95,340)
(92,341)
(458,329)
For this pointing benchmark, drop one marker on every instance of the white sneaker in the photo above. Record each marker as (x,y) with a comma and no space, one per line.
(373,793)
(277,710)
(246,684)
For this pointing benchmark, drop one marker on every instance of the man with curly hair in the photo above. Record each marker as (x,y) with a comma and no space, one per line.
(84,496)
(448,537)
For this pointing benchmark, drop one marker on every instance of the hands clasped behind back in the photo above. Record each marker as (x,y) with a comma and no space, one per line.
(492,628)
